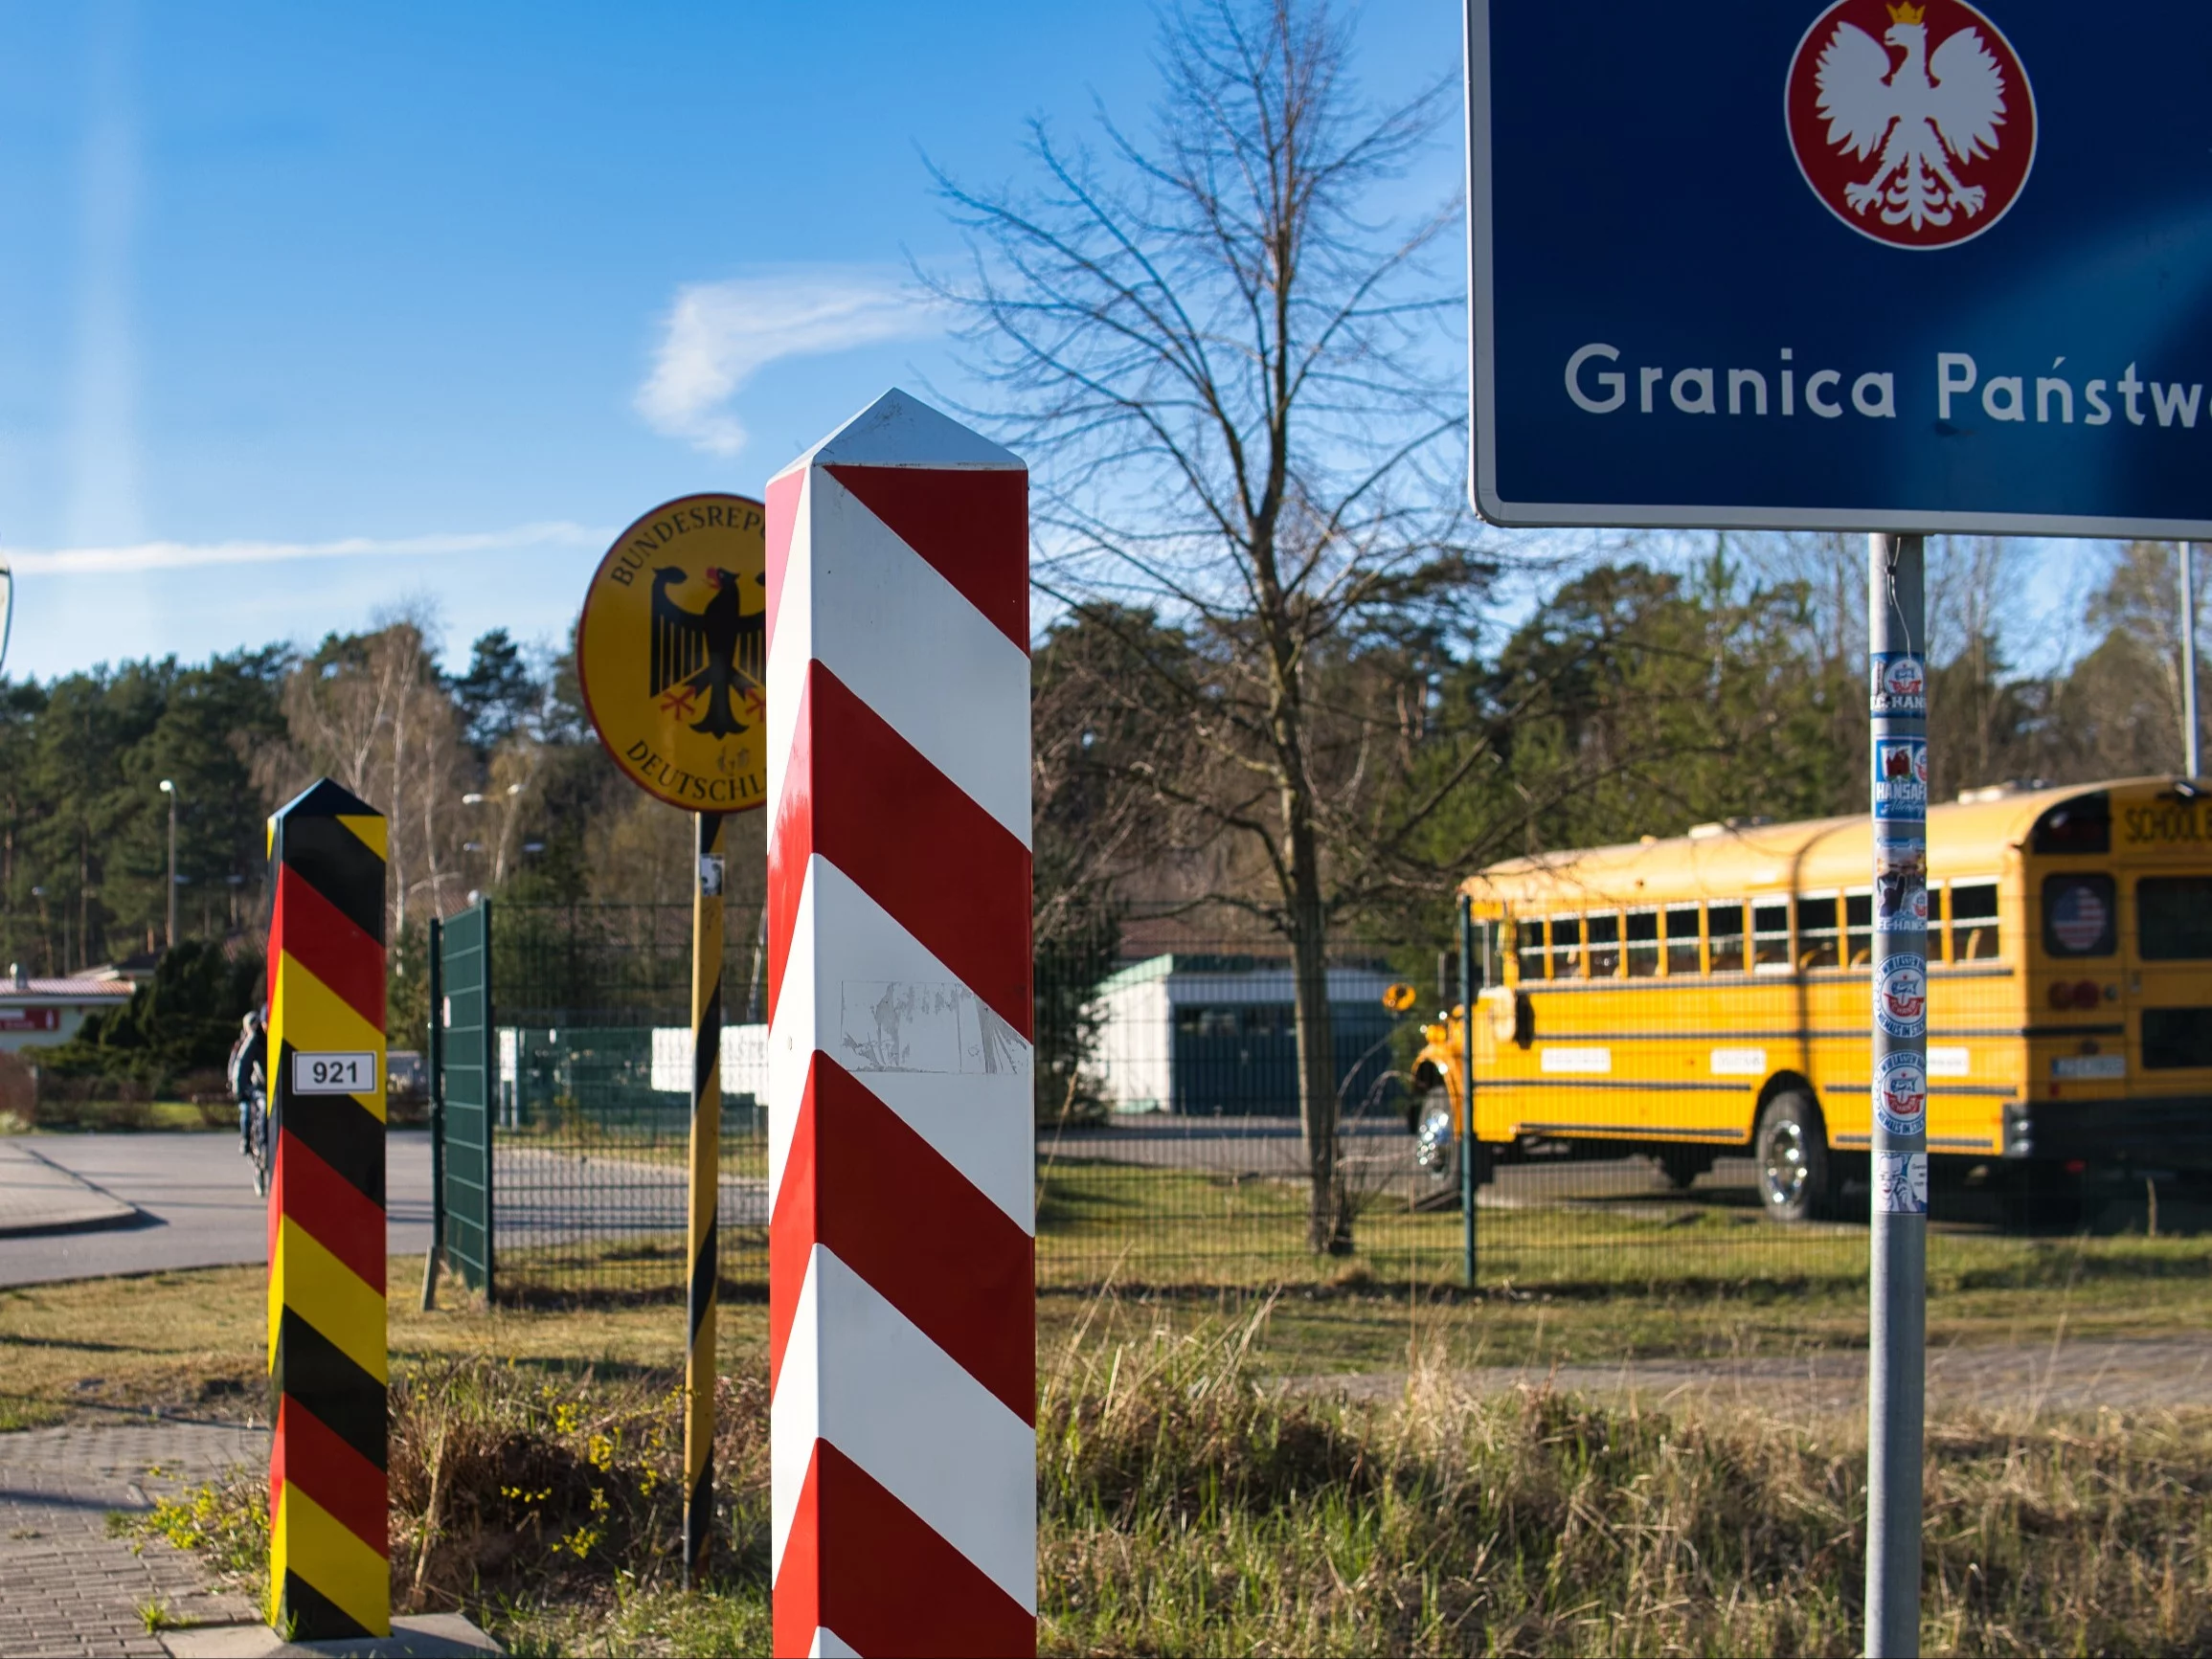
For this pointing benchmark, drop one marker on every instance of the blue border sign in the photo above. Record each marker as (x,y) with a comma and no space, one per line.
(1842,264)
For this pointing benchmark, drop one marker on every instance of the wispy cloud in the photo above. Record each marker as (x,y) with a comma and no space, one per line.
(717,335)
(191,555)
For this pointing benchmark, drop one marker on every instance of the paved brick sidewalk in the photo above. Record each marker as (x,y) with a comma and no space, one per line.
(66,1587)
(39,1196)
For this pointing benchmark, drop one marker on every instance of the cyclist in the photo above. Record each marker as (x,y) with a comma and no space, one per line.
(249,1073)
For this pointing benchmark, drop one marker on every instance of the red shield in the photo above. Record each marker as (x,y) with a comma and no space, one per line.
(1914,123)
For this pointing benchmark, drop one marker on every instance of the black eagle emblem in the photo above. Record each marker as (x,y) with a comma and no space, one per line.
(711,661)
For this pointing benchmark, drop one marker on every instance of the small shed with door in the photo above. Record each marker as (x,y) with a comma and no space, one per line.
(1216,1036)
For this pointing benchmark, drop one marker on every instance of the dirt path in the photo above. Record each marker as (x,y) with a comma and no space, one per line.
(2153,1373)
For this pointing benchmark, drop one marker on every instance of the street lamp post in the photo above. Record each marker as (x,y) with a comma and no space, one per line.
(2191,761)
(168,788)
(506,826)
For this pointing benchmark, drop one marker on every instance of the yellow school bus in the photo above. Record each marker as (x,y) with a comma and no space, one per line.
(1682,997)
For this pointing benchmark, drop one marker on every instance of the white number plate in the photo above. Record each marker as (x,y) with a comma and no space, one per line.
(2089,1067)
(334,1073)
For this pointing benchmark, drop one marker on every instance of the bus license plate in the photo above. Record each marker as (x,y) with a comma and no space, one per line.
(354,1073)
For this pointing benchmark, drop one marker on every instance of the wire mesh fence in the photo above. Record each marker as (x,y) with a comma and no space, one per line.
(591,1101)
(1660,1107)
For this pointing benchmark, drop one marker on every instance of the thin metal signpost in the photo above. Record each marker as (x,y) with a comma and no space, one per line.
(1467,1143)
(1898,1289)
(706,1191)
(2192,758)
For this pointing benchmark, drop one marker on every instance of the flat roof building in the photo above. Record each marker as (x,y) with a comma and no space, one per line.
(38,1012)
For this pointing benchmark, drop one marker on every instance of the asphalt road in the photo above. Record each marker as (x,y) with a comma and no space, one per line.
(196,1206)
(1379,1157)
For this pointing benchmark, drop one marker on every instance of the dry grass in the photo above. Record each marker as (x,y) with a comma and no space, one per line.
(1189,1505)
(1189,1508)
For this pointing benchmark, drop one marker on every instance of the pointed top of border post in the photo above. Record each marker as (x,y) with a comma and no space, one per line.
(900,430)
(324,799)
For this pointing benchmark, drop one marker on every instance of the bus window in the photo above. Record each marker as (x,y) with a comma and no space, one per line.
(1817,943)
(2079,917)
(2177,1038)
(1604,945)
(1725,928)
(1532,950)
(2174,918)
(1769,938)
(1974,923)
(1567,946)
(1643,944)
(1859,928)
(1681,939)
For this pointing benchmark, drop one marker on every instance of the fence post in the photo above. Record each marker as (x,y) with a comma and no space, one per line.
(330,1578)
(902,1296)
(434,1065)
(1469,1148)
(490,1114)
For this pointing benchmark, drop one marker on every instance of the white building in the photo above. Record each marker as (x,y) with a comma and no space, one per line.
(1208,1036)
(37,1012)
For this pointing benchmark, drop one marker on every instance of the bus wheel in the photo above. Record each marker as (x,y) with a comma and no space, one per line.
(1796,1176)
(1436,1151)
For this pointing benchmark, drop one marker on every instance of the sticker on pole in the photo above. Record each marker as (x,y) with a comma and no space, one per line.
(1900,883)
(347,1072)
(1901,777)
(1901,1183)
(672,652)
(1901,1095)
(1901,996)
(1900,683)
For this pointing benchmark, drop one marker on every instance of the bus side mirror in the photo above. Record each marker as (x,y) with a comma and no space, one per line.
(1398,999)
(1524,1019)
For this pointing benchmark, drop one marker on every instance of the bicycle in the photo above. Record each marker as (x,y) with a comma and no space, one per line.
(258,1136)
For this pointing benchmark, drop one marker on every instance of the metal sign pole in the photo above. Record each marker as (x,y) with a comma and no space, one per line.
(706,1191)
(1898,1292)
(1467,1083)
(2192,760)
(434,1069)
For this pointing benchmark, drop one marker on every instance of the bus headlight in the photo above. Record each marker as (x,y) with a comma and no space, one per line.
(2019,1137)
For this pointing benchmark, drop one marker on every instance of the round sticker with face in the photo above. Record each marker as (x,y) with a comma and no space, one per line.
(1901,1095)
(1901,996)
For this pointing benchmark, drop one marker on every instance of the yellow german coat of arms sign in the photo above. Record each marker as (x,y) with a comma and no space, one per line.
(672,652)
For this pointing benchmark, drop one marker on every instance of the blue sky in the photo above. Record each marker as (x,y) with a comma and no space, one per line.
(306,311)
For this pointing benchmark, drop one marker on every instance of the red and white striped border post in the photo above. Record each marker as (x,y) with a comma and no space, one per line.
(902,1347)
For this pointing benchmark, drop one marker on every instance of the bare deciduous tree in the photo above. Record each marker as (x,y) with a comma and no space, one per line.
(1231,363)
(372,713)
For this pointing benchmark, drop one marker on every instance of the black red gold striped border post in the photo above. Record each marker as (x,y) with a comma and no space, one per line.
(706,1194)
(329,1576)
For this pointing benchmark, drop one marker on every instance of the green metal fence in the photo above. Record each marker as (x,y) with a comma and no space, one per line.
(466,1050)
(572,1163)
